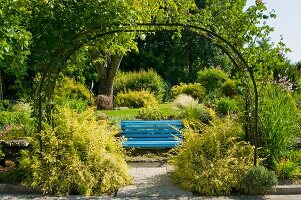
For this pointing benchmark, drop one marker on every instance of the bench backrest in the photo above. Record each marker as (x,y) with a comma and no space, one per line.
(152,129)
(151,133)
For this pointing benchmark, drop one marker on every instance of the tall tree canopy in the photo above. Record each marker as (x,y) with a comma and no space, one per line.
(64,29)
(14,40)
(245,28)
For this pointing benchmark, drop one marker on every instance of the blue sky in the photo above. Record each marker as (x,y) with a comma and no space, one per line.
(287,23)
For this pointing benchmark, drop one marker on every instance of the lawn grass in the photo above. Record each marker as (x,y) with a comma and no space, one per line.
(118,115)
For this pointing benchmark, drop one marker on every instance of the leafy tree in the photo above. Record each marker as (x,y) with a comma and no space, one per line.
(60,28)
(14,40)
(176,59)
(179,59)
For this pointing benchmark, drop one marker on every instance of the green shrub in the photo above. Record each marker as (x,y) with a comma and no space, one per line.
(137,81)
(279,119)
(212,78)
(12,176)
(197,112)
(214,162)
(287,169)
(5,105)
(150,113)
(80,155)
(193,113)
(17,120)
(71,94)
(260,180)
(67,88)
(135,99)
(230,88)
(195,90)
(225,106)
(1,153)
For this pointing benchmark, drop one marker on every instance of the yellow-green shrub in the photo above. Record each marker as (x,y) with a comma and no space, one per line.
(287,169)
(195,90)
(135,99)
(225,106)
(70,89)
(71,94)
(213,162)
(79,155)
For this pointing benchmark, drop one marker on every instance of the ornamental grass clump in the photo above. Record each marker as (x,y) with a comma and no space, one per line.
(193,113)
(80,155)
(213,162)
(195,90)
(279,121)
(184,100)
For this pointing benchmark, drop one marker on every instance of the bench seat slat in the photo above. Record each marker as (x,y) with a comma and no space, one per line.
(157,135)
(152,121)
(150,144)
(150,131)
(151,126)
(155,139)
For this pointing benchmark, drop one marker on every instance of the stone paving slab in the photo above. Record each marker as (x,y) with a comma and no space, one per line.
(42,197)
(39,197)
(152,180)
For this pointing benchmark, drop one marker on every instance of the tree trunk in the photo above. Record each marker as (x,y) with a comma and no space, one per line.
(106,71)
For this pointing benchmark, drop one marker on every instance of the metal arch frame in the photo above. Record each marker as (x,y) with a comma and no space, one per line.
(235,56)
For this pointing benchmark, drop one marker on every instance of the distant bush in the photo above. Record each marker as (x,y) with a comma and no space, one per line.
(212,78)
(68,88)
(260,180)
(230,88)
(80,155)
(72,94)
(135,99)
(195,90)
(213,162)
(137,81)
(225,106)
(16,120)
(150,113)
(195,114)
(5,105)
(198,113)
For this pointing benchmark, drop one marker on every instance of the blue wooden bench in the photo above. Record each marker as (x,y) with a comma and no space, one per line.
(151,134)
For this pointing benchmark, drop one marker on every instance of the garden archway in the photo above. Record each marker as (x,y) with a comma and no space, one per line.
(49,74)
